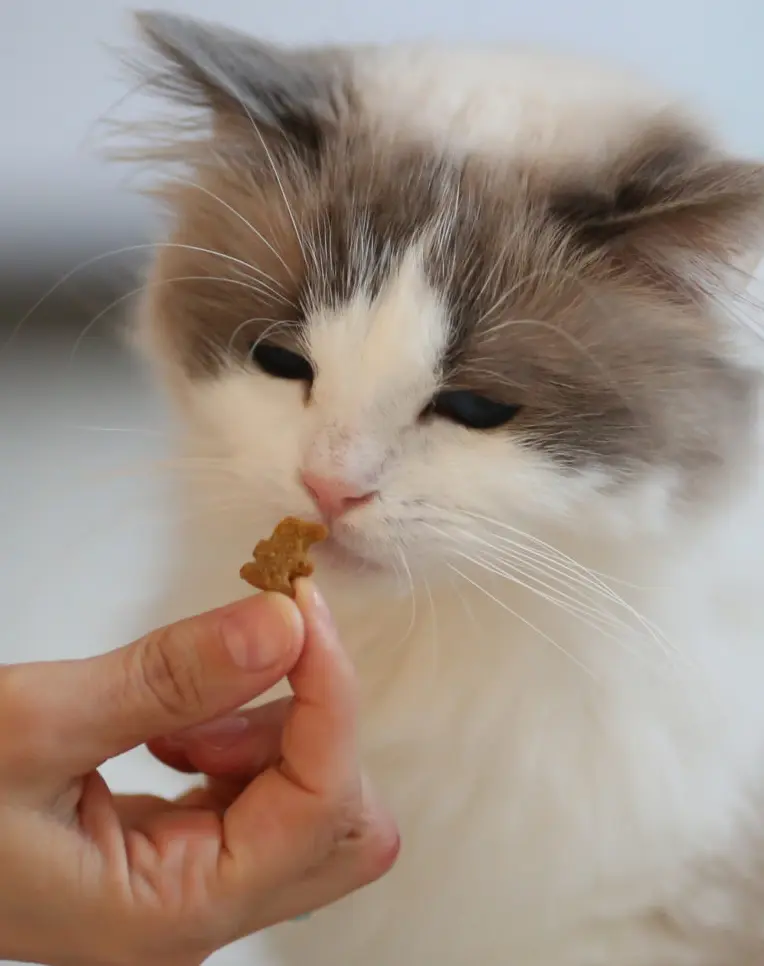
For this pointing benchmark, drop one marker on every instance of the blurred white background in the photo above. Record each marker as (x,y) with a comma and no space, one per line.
(81,521)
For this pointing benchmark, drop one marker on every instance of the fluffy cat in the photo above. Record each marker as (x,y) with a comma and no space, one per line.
(484,311)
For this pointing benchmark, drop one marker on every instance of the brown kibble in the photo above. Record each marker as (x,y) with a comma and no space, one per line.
(283,557)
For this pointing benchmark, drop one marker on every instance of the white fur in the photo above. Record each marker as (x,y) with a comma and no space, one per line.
(498,101)
(563,777)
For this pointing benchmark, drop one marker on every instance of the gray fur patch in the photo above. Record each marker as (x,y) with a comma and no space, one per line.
(296,93)
(568,298)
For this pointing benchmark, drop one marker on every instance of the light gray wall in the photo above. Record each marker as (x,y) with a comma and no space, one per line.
(58,77)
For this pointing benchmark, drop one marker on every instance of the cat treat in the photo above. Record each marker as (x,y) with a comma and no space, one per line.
(283,557)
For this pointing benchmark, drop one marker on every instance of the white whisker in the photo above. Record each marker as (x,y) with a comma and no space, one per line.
(274,168)
(434,624)
(569,606)
(595,617)
(606,590)
(238,214)
(132,292)
(412,589)
(273,327)
(588,578)
(124,250)
(524,620)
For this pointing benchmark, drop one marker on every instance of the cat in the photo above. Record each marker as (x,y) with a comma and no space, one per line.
(485,312)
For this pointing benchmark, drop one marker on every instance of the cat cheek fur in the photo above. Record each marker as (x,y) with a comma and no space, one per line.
(376,370)
(565,712)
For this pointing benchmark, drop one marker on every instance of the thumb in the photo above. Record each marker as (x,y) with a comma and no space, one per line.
(77,714)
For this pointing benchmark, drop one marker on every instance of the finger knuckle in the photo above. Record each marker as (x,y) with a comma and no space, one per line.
(359,822)
(169,673)
(342,815)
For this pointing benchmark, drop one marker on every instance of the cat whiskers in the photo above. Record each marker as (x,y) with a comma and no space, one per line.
(558,562)
(603,581)
(601,603)
(486,336)
(541,549)
(456,583)
(588,579)
(274,168)
(537,630)
(504,297)
(434,625)
(129,249)
(518,558)
(258,234)
(132,292)
(598,620)
(275,325)
(584,351)
(401,553)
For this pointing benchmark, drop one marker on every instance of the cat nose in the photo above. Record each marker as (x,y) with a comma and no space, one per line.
(333,495)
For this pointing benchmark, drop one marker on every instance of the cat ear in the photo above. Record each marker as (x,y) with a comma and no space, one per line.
(672,191)
(298,95)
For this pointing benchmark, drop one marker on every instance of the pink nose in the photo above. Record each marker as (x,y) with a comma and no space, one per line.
(334,496)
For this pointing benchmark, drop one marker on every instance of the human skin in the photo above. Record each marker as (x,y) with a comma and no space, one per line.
(283,823)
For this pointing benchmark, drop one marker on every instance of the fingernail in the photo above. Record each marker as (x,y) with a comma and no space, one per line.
(219,733)
(260,632)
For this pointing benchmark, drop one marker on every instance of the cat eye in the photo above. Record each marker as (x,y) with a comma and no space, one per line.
(281,363)
(472,410)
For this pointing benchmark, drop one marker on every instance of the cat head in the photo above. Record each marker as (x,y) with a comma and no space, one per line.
(430,294)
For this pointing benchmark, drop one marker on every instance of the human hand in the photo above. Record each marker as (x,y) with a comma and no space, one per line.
(286,824)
